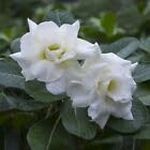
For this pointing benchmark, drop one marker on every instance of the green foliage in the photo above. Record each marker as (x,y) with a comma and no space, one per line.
(60,17)
(8,102)
(46,135)
(38,91)
(121,27)
(76,122)
(142,73)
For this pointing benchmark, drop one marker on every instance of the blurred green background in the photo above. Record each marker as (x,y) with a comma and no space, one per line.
(104,21)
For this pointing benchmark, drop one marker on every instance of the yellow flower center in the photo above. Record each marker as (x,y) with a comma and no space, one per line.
(53,52)
(112,86)
(54,47)
(43,55)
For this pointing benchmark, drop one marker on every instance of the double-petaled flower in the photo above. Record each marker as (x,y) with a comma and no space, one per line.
(66,63)
(48,52)
(105,86)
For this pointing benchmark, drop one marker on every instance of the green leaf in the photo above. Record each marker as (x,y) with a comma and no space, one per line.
(108,138)
(138,56)
(109,22)
(144,133)
(142,89)
(11,80)
(76,122)
(129,49)
(124,126)
(142,72)
(8,102)
(60,17)
(10,74)
(38,91)
(39,134)
(145,45)
(119,45)
(143,93)
(145,100)
(15,45)
(9,66)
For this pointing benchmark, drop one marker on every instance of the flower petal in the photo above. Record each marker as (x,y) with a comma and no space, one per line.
(25,65)
(101,109)
(133,66)
(69,35)
(57,87)
(98,113)
(79,96)
(85,50)
(123,90)
(46,71)
(114,59)
(47,33)
(32,25)
(122,110)
(29,46)
(70,30)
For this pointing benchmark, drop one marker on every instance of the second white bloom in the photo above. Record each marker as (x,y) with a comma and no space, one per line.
(106,86)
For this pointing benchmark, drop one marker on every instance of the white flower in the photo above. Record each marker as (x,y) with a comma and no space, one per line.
(106,86)
(48,51)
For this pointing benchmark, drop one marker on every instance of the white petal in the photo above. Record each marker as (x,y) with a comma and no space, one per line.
(85,50)
(76,26)
(98,112)
(111,58)
(32,25)
(79,96)
(101,109)
(27,74)
(21,60)
(70,30)
(122,110)
(69,35)
(125,86)
(29,46)
(25,65)
(68,56)
(57,87)
(47,33)
(46,71)
(133,66)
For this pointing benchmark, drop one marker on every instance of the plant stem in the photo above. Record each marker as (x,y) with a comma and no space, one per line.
(52,132)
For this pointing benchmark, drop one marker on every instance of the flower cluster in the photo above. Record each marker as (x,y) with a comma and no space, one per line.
(67,64)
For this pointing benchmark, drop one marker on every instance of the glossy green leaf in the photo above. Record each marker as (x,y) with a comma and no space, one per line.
(39,135)
(120,45)
(145,100)
(142,72)
(10,74)
(9,66)
(11,80)
(9,102)
(76,122)
(144,133)
(142,89)
(38,91)
(129,49)
(145,45)
(60,17)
